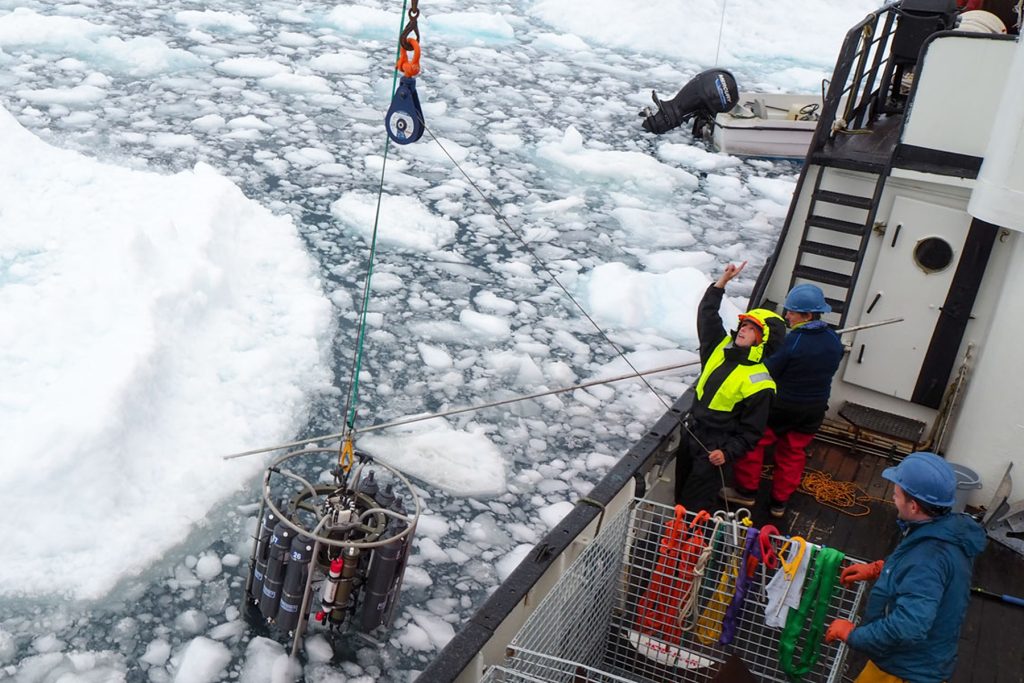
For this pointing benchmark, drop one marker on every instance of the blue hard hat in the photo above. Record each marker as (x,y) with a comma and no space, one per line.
(925,476)
(806,298)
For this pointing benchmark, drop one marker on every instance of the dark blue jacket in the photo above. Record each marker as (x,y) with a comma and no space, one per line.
(804,366)
(913,616)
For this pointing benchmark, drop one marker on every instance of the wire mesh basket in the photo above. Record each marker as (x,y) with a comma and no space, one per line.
(499,674)
(599,622)
(546,669)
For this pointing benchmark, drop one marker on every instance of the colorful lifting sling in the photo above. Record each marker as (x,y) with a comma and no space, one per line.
(786,587)
(742,586)
(671,580)
(817,594)
(758,549)
(709,625)
(687,617)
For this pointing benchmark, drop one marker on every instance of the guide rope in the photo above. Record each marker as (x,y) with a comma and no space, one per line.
(455,411)
(843,496)
(553,278)
(409,39)
(721,27)
(346,449)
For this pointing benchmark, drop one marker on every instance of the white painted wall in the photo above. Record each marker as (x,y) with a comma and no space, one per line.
(958,83)
(999,191)
(989,431)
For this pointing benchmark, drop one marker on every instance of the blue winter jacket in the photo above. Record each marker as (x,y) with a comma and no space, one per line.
(803,367)
(913,615)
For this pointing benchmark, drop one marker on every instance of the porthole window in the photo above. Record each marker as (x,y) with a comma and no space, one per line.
(933,254)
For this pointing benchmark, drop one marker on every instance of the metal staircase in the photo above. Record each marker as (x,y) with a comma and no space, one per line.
(851,141)
(835,237)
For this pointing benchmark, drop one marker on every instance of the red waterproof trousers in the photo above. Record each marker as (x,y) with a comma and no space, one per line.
(790,457)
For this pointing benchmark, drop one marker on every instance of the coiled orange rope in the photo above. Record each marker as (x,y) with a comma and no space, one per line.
(843,496)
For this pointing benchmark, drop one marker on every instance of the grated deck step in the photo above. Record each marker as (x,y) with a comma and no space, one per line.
(882,422)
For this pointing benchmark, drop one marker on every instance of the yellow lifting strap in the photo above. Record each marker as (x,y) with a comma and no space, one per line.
(709,625)
(790,568)
(346,453)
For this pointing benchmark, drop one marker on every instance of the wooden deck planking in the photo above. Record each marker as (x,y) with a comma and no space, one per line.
(873,147)
(849,536)
(823,524)
(990,647)
(814,521)
(840,521)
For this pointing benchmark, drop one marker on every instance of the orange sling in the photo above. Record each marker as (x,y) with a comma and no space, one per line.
(672,578)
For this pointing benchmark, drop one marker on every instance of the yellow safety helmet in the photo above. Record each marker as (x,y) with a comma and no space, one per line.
(760,318)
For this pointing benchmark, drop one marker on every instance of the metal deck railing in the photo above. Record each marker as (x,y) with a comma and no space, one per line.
(862,62)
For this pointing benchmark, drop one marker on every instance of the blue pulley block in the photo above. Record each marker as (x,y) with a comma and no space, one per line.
(404,119)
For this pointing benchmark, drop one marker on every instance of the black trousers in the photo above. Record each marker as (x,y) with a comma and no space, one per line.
(697,480)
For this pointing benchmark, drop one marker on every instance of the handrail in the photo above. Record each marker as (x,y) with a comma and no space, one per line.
(864,54)
(880,59)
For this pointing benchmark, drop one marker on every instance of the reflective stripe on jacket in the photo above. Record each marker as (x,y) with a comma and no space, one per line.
(744,380)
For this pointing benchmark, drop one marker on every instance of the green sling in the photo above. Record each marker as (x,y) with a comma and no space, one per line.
(818,592)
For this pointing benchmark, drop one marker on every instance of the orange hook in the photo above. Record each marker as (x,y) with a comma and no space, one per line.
(410,68)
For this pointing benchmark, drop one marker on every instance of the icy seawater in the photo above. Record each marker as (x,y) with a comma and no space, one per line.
(189,194)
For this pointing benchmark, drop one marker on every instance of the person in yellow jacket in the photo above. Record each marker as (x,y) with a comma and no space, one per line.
(732,397)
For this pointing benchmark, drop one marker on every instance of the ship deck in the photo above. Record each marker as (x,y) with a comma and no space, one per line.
(869,149)
(990,649)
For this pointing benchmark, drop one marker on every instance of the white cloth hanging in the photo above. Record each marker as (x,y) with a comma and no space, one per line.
(786,587)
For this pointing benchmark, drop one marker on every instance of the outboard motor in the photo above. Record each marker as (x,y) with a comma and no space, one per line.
(708,93)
